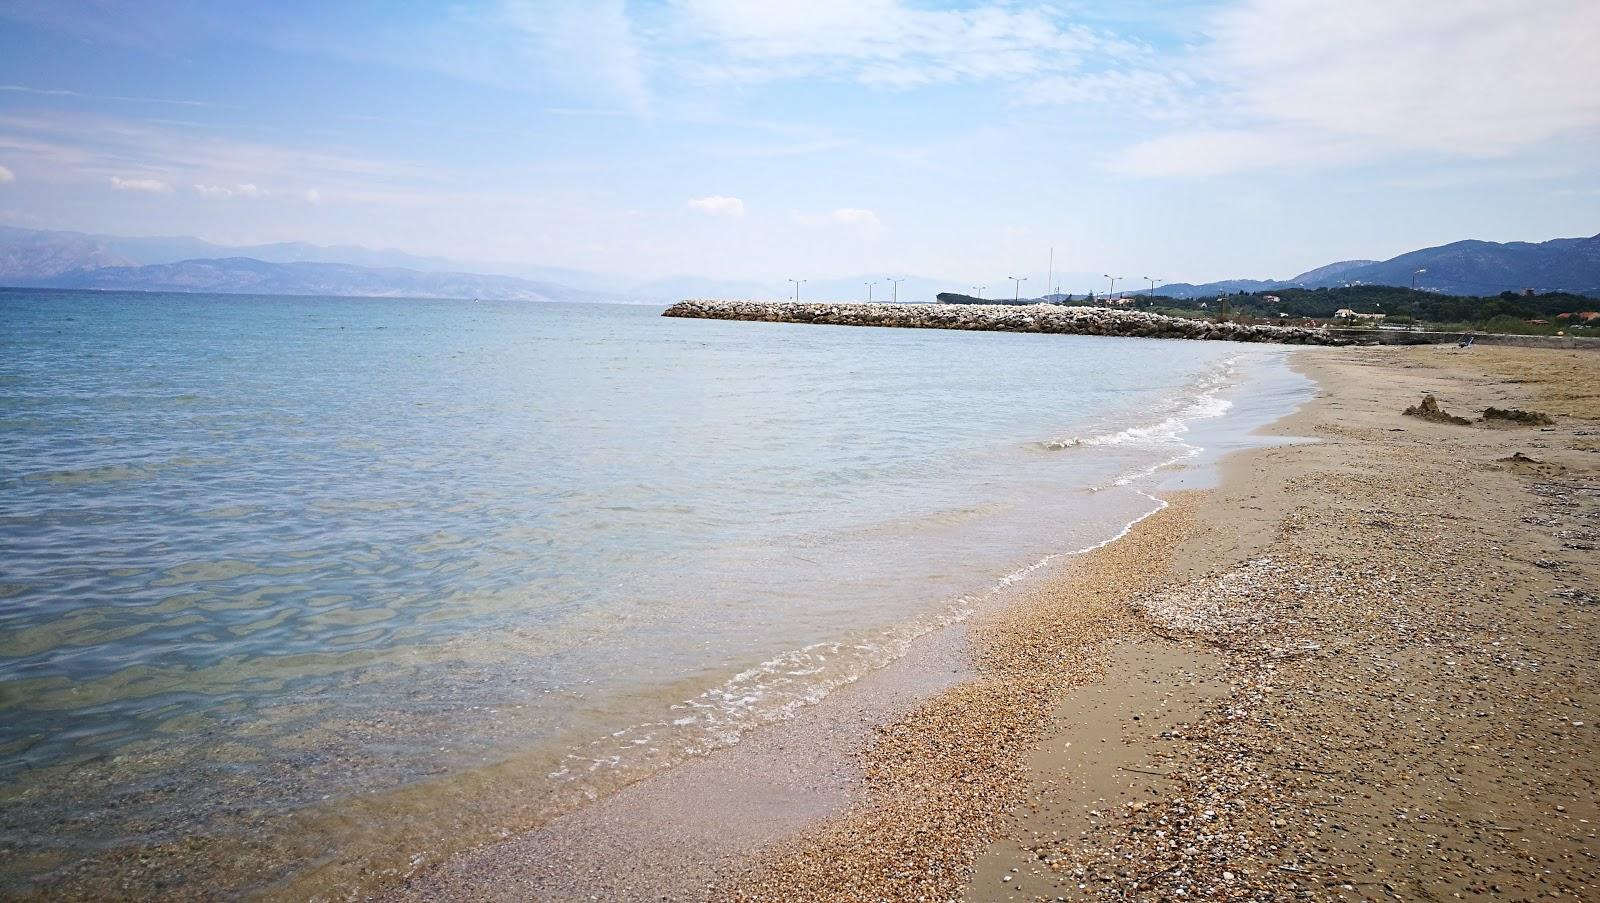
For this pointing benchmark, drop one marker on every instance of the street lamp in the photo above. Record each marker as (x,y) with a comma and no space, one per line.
(979,289)
(797,284)
(1152,281)
(1018,280)
(869,286)
(1113,286)
(896,284)
(1414,278)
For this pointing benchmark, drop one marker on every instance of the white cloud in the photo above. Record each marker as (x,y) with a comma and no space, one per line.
(718,205)
(313,196)
(225,192)
(1296,82)
(880,43)
(149,186)
(855,216)
(866,221)
(7,175)
(1154,91)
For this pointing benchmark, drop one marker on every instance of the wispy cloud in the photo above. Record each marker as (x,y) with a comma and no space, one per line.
(149,186)
(62,93)
(879,43)
(72,146)
(1304,83)
(718,205)
(856,216)
(247,190)
(7,175)
(867,221)
(570,51)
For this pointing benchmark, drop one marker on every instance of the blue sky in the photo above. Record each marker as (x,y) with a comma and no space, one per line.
(759,140)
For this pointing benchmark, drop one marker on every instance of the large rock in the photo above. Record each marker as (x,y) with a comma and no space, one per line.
(1050,318)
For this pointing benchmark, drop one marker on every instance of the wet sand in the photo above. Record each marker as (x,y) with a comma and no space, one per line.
(1363,668)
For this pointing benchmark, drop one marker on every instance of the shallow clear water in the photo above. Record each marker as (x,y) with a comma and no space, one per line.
(263,556)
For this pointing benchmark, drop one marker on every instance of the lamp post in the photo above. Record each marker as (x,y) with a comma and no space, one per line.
(1152,281)
(1414,278)
(1018,280)
(979,289)
(896,284)
(1113,286)
(869,286)
(797,284)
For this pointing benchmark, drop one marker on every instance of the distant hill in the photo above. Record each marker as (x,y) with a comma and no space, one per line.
(34,257)
(79,260)
(28,257)
(1330,271)
(1475,268)
(244,275)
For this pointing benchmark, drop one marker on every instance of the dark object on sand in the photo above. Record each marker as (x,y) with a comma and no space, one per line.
(1430,410)
(1466,341)
(1512,416)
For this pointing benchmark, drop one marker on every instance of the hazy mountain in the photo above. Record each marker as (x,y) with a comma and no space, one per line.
(244,275)
(1488,268)
(74,259)
(28,257)
(1208,289)
(1459,268)
(679,287)
(1330,271)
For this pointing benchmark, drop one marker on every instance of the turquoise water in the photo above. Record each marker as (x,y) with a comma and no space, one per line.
(263,556)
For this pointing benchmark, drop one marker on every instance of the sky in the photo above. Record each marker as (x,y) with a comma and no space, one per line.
(746,139)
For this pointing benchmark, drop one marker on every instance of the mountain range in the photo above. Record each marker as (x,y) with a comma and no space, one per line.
(50,259)
(1459,268)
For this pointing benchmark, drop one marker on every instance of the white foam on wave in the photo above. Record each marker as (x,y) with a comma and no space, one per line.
(778,688)
(1203,401)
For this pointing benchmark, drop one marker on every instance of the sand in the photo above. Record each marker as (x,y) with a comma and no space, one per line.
(1363,668)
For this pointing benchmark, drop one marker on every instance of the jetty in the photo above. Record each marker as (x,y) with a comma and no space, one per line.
(1050,318)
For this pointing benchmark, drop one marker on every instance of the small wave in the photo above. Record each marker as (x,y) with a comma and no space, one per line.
(777,689)
(1203,401)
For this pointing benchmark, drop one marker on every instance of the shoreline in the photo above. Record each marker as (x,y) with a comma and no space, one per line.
(1030,777)
(646,824)
(1344,733)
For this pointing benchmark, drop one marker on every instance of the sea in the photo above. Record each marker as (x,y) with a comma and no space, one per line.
(291,584)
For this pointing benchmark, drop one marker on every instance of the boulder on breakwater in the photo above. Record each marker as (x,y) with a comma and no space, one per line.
(1052,318)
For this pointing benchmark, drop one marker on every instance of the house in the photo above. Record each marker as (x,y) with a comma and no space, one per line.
(1588,316)
(1563,316)
(1272,299)
(1345,313)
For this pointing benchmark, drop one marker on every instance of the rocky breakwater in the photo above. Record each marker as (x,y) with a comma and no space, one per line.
(1051,318)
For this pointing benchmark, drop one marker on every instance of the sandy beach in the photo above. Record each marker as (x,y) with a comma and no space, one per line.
(1359,668)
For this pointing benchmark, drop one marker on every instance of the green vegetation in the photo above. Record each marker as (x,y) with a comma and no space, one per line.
(1506,312)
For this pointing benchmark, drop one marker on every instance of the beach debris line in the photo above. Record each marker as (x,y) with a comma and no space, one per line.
(1048,318)
(1429,410)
